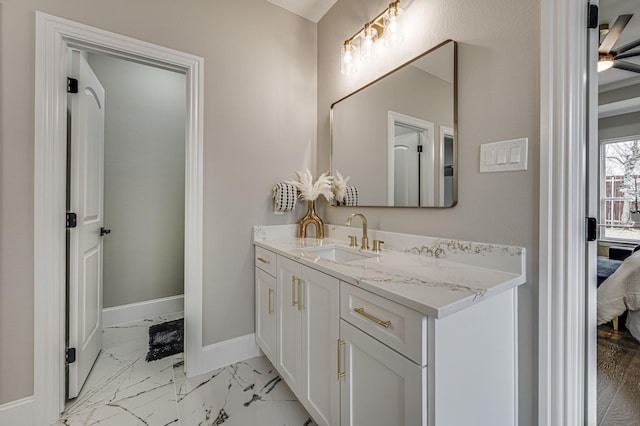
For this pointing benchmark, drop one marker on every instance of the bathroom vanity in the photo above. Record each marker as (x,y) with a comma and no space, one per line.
(422,333)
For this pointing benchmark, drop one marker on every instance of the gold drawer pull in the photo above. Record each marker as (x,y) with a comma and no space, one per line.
(301,295)
(294,302)
(263,260)
(385,324)
(341,373)
(270,307)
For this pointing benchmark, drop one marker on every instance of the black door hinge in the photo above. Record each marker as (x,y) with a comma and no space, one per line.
(591,227)
(70,355)
(72,85)
(592,16)
(72,220)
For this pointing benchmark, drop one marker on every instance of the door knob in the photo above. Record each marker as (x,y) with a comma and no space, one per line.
(104,231)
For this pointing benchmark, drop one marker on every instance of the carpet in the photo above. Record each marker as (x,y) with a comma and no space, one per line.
(166,339)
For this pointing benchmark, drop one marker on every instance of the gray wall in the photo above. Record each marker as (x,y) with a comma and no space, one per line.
(143,180)
(259,127)
(498,83)
(619,126)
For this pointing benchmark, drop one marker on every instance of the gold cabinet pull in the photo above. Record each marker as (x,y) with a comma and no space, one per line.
(294,302)
(341,373)
(385,324)
(301,284)
(270,308)
(263,260)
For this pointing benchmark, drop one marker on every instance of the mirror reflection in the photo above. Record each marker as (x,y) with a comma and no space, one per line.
(395,137)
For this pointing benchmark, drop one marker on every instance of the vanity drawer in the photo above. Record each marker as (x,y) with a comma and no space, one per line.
(397,326)
(266,260)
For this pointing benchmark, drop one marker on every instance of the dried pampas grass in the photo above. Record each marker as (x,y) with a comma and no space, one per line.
(309,190)
(339,186)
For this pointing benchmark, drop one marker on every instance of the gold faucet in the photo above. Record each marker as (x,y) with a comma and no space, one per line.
(365,238)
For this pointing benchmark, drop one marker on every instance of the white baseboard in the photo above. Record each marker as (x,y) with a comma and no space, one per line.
(17,413)
(228,352)
(138,311)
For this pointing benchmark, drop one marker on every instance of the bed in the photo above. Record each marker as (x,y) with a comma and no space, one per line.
(620,292)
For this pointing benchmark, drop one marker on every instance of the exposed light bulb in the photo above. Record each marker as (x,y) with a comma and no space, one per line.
(368,48)
(393,28)
(348,61)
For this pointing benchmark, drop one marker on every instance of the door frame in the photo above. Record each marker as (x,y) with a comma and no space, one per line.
(424,126)
(444,131)
(53,36)
(565,366)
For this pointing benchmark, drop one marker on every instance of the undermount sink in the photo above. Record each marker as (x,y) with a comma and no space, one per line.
(337,254)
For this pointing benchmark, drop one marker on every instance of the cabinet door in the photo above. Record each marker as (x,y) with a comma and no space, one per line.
(380,387)
(289,356)
(266,313)
(320,294)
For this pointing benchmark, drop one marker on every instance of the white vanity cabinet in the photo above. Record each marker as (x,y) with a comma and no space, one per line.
(308,330)
(381,384)
(265,269)
(403,341)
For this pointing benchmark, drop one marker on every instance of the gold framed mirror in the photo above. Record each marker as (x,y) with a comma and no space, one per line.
(396,138)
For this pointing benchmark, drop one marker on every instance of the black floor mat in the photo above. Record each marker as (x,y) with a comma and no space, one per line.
(166,339)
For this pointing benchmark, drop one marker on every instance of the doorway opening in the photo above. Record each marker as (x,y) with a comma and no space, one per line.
(410,161)
(614,189)
(53,38)
(447,155)
(125,186)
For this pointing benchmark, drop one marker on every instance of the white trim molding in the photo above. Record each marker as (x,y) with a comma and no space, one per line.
(562,299)
(131,312)
(53,36)
(17,413)
(228,352)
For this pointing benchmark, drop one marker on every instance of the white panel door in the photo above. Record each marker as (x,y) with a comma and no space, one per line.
(85,241)
(289,321)
(266,313)
(320,332)
(380,387)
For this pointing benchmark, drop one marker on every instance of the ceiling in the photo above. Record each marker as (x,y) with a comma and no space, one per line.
(313,10)
(609,11)
(624,101)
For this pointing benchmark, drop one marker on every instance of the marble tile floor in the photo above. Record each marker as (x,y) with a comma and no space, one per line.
(123,389)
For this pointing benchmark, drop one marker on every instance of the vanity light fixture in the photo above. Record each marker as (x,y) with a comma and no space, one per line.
(387,25)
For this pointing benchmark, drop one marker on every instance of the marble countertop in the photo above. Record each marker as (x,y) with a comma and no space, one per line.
(431,277)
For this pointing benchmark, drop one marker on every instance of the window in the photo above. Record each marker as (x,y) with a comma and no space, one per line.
(620,189)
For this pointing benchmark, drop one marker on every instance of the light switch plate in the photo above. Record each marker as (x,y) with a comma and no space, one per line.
(504,156)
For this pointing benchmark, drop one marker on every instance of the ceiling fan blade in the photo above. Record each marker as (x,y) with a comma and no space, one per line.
(627,66)
(614,33)
(628,54)
(628,46)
